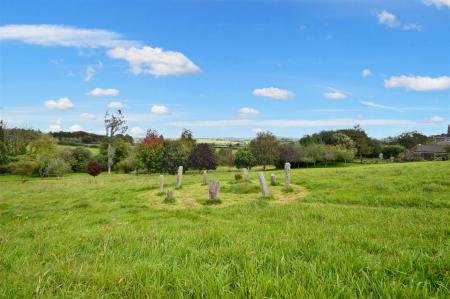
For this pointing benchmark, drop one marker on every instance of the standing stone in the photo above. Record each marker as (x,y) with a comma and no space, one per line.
(273,180)
(214,187)
(179,176)
(287,175)
(262,183)
(205,177)
(169,196)
(245,173)
(161,184)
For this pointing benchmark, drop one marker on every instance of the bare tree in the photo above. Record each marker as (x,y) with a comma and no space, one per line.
(114,124)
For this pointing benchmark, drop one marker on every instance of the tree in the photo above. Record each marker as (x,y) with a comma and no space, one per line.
(411,139)
(114,124)
(392,150)
(288,152)
(361,140)
(225,157)
(150,150)
(24,168)
(203,157)
(244,158)
(57,167)
(44,145)
(3,149)
(94,168)
(81,157)
(344,154)
(174,155)
(265,148)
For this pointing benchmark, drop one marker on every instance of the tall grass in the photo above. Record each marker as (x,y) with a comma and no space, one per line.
(370,231)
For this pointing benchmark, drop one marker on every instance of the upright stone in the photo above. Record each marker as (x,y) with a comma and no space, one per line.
(287,175)
(169,196)
(273,179)
(205,177)
(262,183)
(214,187)
(179,177)
(161,184)
(245,173)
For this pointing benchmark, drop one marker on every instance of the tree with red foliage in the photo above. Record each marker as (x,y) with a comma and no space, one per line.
(150,150)
(203,157)
(94,168)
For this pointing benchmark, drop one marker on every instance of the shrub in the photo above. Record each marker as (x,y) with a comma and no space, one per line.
(94,168)
(81,156)
(238,176)
(203,157)
(57,167)
(244,158)
(24,168)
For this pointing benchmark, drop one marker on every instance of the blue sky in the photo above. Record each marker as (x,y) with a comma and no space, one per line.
(227,68)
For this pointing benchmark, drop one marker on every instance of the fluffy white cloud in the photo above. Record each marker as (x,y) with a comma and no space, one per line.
(61,104)
(366,73)
(273,92)
(418,83)
(335,95)
(76,128)
(88,116)
(437,3)
(435,120)
(390,20)
(91,69)
(65,36)
(136,131)
(160,110)
(247,111)
(116,105)
(101,92)
(56,127)
(155,61)
(286,123)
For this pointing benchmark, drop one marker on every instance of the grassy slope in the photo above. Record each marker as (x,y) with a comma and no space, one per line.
(369,231)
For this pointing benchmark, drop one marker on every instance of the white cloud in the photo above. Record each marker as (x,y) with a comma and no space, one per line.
(155,61)
(273,92)
(390,20)
(418,83)
(91,69)
(65,36)
(257,130)
(335,95)
(437,3)
(101,92)
(136,131)
(116,105)
(76,128)
(286,123)
(56,127)
(88,116)
(366,73)
(378,106)
(247,111)
(160,110)
(61,104)
(435,120)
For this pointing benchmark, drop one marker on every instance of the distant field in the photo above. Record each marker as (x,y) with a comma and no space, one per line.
(364,231)
(94,150)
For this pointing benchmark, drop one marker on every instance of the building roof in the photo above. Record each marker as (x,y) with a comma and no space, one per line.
(430,148)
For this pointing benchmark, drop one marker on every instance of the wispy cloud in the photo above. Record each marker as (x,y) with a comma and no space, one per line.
(103,92)
(273,92)
(91,70)
(378,106)
(390,20)
(437,3)
(247,111)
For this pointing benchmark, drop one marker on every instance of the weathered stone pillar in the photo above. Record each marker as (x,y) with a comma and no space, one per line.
(287,175)
(245,173)
(205,177)
(273,180)
(179,177)
(169,196)
(161,184)
(262,183)
(214,187)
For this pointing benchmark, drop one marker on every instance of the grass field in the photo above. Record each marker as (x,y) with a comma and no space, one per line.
(372,231)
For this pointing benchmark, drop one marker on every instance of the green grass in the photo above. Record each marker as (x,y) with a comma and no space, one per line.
(369,231)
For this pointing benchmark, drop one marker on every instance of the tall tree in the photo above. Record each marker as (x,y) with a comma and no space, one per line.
(203,157)
(114,124)
(150,150)
(265,148)
(361,140)
(3,149)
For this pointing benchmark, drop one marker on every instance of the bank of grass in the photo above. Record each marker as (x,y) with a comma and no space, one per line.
(369,231)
